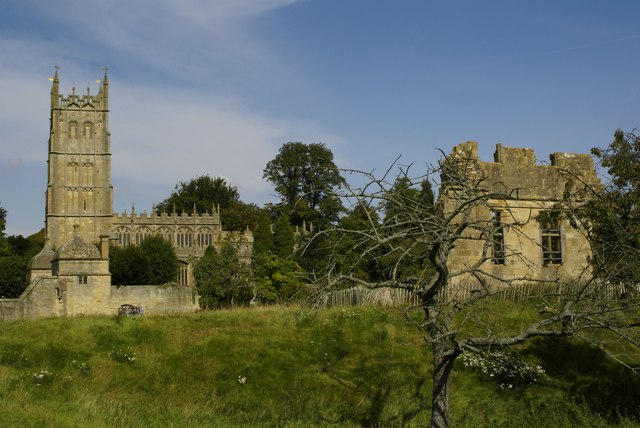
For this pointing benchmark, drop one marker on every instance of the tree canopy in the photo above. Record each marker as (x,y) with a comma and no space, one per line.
(615,213)
(15,253)
(222,279)
(203,192)
(306,177)
(207,194)
(154,262)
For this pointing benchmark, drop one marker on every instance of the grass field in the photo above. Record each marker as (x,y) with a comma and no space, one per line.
(271,367)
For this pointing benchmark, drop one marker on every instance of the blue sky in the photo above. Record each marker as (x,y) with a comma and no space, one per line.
(216,87)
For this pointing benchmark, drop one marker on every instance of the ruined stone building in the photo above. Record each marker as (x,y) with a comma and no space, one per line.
(521,248)
(71,275)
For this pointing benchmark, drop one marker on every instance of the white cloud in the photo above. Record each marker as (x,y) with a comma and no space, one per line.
(161,136)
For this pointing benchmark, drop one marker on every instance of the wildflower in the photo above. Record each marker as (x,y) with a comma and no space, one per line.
(242,380)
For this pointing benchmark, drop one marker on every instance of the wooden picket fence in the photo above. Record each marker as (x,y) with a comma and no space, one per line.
(395,297)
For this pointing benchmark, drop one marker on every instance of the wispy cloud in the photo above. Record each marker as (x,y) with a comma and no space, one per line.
(160,136)
(178,36)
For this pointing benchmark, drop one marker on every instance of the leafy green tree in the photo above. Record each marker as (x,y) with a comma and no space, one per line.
(5,248)
(283,240)
(206,194)
(306,177)
(222,279)
(203,192)
(615,213)
(161,260)
(263,237)
(154,262)
(15,253)
(348,255)
(128,266)
(278,280)
(239,215)
(12,275)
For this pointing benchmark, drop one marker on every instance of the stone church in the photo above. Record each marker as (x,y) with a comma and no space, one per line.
(70,276)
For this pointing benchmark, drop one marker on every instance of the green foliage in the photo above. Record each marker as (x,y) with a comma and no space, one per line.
(12,275)
(15,253)
(206,194)
(615,214)
(203,192)
(161,259)
(305,177)
(283,240)
(262,237)
(239,216)
(355,251)
(154,262)
(349,255)
(222,279)
(5,248)
(278,280)
(128,266)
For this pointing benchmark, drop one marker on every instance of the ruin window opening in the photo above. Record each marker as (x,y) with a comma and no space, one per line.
(82,279)
(551,246)
(497,239)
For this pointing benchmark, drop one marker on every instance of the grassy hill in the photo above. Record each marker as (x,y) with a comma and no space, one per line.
(270,367)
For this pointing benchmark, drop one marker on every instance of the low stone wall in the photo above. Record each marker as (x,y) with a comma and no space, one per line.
(10,309)
(50,297)
(155,299)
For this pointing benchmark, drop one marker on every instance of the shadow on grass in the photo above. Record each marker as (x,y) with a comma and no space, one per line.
(595,380)
(370,386)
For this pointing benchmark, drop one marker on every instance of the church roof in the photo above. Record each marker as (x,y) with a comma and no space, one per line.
(77,248)
(42,260)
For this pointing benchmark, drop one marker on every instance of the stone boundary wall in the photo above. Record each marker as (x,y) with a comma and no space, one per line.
(44,298)
(155,299)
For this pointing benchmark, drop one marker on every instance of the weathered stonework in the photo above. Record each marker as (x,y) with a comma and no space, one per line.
(522,250)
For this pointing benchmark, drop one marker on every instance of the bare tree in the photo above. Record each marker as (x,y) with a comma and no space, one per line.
(461,259)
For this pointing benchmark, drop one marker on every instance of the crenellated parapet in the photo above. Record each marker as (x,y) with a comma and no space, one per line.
(515,171)
(169,219)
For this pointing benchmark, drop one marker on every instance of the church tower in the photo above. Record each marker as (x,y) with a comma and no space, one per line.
(79,191)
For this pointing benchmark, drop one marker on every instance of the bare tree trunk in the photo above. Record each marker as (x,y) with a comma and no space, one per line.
(443,358)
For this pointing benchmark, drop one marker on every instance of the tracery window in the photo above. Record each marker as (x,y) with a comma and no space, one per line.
(124,236)
(142,234)
(166,234)
(184,237)
(204,237)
